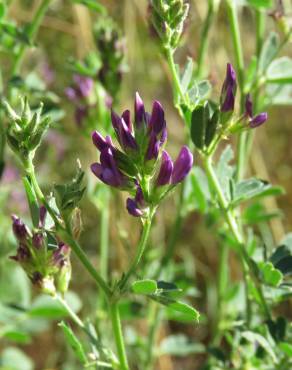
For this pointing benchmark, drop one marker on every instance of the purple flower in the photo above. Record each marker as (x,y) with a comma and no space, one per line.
(258,120)
(42,216)
(37,240)
(153,147)
(48,74)
(124,135)
(81,112)
(99,141)
(107,170)
(182,165)
(136,163)
(228,91)
(22,254)
(140,118)
(157,121)
(83,85)
(254,121)
(126,116)
(61,255)
(135,206)
(165,171)
(20,230)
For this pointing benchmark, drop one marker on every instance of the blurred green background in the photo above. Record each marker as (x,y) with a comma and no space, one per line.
(66,31)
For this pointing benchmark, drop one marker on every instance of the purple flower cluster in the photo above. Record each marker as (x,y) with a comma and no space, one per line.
(79,93)
(141,166)
(47,265)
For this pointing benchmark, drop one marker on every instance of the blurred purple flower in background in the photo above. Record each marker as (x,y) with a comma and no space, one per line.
(79,93)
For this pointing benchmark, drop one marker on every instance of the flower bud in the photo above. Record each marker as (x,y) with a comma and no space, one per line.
(228,91)
(165,171)
(20,230)
(182,165)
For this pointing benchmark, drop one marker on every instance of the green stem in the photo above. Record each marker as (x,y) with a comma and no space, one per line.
(178,93)
(118,334)
(70,312)
(66,235)
(31,33)
(174,233)
(222,282)
(236,39)
(140,250)
(104,237)
(154,320)
(232,223)
(204,38)
(260,31)
(239,61)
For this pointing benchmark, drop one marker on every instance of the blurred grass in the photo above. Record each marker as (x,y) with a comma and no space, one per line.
(66,31)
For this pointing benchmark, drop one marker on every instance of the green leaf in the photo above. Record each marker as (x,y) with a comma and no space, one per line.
(280,71)
(268,52)
(188,312)
(262,341)
(252,188)
(282,259)
(165,286)
(200,117)
(198,92)
(179,345)
(225,170)
(187,75)
(250,74)
(32,201)
(17,336)
(256,213)
(260,3)
(270,274)
(74,343)
(278,94)
(146,286)
(14,359)
(2,10)
(286,348)
(93,5)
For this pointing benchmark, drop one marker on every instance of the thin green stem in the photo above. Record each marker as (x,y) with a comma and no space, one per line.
(204,39)
(70,312)
(236,39)
(153,320)
(31,33)
(178,92)
(104,236)
(260,31)
(118,334)
(140,250)
(232,223)
(66,235)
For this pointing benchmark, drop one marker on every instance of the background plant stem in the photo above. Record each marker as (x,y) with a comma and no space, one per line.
(204,40)
(234,228)
(118,334)
(31,33)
